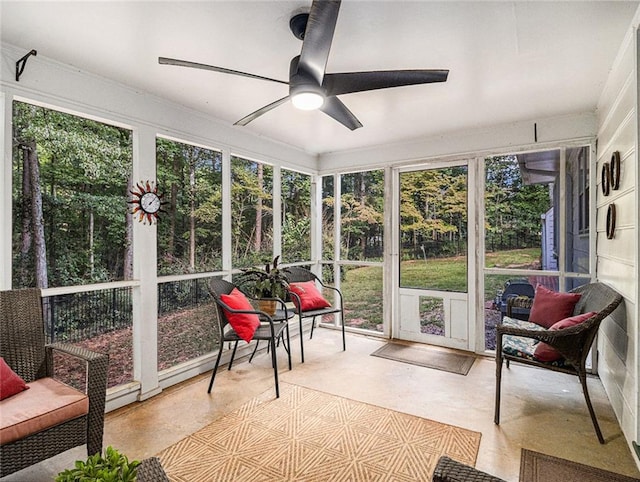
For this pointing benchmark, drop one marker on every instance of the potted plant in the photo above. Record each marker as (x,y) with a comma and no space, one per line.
(112,467)
(269,282)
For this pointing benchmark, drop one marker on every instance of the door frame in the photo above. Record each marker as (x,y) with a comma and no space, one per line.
(393,265)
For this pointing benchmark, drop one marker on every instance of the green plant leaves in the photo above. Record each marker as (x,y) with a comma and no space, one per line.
(112,467)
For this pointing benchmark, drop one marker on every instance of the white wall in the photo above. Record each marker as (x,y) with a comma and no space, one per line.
(617,258)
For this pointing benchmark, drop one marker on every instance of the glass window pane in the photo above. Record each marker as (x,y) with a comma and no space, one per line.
(251,212)
(577,195)
(296,216)
(431,315)
(362,290)
(433,229)
(190,232)
(362,215)
(100,321)
(521,199)
(73,174)
(328,224)
(186,324)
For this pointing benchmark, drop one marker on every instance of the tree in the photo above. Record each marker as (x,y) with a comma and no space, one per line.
(80,169)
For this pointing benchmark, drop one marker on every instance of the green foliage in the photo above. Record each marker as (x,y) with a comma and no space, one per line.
(84,168)
(190,233)
(112,467)
(270,282)
(512,208)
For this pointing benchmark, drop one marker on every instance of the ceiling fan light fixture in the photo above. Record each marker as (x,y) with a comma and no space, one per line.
(307,100)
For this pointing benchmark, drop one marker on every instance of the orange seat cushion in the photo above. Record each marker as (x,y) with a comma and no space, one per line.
(46,404)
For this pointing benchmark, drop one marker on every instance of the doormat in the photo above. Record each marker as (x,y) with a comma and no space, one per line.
(537,467)
(426,356)
(311,436)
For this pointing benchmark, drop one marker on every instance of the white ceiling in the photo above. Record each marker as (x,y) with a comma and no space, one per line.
(508,61)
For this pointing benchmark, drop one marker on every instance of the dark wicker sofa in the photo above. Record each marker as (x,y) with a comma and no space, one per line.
(22,345)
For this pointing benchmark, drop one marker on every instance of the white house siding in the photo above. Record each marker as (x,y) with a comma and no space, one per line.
(617,258)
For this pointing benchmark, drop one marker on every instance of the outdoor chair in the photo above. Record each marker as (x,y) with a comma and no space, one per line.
(315,305)
(519,340)
(449,470)
(511,289)
(232,325)
(50,417)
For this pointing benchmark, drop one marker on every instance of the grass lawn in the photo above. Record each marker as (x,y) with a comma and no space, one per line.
(362,287)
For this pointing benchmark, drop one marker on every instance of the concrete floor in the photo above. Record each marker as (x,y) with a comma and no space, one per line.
(541,410)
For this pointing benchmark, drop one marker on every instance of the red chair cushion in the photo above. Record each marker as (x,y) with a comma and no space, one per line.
(549,306)
(244,324)
(10,381)
(310,297)
(547,353)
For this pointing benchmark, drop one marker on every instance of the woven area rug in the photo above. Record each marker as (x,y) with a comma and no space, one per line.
(426,356)
(537,467)
(307,435)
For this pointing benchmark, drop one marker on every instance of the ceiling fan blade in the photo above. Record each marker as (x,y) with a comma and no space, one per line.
(349,82)
(213,68)
(334,108)
(263,110)
(317,38)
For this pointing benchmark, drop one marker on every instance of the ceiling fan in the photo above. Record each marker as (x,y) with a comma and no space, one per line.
(310,87)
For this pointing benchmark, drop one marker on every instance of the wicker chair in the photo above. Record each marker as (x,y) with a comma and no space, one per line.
(449,470)
(573,343)
(22,345)
(296,274)
(272,329)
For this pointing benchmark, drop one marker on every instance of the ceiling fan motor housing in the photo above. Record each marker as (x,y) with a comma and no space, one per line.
(301,81)
(298,25)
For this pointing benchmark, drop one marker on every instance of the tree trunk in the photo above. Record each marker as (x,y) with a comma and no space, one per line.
(25,236)
(127,271)
(258,231)
(91,242)
(173,205)
(363,200)
(192,214)
(40,252)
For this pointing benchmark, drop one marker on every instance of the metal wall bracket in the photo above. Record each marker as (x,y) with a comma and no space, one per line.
(20,64)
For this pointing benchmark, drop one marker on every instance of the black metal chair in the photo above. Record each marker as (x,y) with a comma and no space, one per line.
(271,330)
(296,274)
(517,339)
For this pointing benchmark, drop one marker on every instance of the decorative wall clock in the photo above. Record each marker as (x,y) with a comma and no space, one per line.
(614,171)
(611,221)
(605,178)
(147,202)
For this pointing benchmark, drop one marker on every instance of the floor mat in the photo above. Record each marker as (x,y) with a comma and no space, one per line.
(312,436)
(537,467)
(426,356)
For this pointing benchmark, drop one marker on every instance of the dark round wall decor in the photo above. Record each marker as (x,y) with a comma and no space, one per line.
(605,178)
(611,221)
(614,173)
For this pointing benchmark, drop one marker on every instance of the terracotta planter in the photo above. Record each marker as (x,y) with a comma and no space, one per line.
(268,306)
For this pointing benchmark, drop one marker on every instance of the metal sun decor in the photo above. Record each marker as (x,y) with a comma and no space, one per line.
(147,202)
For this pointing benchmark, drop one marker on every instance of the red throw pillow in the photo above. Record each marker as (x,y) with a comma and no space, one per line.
(310,297)
(10,382)
(244,324)
(547,353)
(550,306)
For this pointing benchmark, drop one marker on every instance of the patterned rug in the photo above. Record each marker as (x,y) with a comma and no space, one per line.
(307,435)
(427,356)
(537,467)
